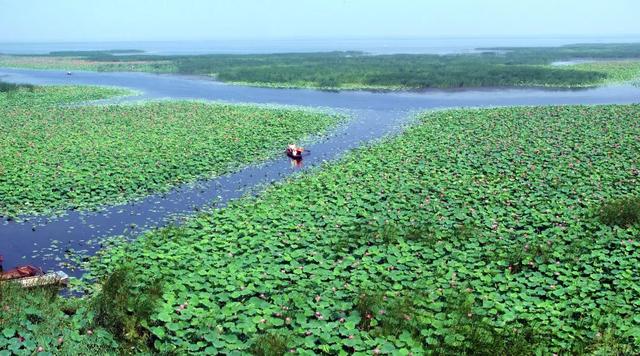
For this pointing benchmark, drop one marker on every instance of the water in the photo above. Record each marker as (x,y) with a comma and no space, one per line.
(42,240)
(372,45)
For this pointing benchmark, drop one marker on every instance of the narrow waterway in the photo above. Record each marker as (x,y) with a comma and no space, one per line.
(43,241)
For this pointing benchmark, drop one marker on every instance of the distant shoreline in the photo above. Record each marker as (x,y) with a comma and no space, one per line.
(440,45)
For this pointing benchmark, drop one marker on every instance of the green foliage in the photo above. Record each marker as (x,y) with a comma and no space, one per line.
(31,319)
(456,196)
(621,212)
(10,87)
(54,157)
(270,344)
(495,67)
(616,71)
(124,306)
(367,304)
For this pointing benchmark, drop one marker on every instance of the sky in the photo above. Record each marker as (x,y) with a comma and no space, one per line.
(147,20)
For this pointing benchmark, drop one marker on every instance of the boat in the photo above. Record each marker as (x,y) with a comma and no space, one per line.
(20,272)
(294,152)
(68,73)
(29,277)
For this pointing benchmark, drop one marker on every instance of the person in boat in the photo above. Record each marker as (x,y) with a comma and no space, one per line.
(294,151)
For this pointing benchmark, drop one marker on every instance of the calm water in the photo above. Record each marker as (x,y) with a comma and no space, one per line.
(42,241)
(378,46)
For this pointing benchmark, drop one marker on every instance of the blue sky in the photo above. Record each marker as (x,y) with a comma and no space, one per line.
(117,20)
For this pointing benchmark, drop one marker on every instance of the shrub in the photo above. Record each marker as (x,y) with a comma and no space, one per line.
(40,318)
(124,306)
(10,87)
(366,304)
(621,212)
(270,344)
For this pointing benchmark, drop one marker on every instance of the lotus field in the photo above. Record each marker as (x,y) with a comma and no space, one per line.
(55,157)
(498,231)
(617,71)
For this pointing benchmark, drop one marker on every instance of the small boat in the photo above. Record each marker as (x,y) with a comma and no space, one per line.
(294,152)
(68,73)
(20,272)
(29,277)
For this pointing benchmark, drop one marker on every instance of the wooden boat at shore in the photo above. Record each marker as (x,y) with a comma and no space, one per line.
(29,277)
(20,272)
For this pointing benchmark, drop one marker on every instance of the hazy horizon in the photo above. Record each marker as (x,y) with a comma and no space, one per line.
(363,38)
(41,21)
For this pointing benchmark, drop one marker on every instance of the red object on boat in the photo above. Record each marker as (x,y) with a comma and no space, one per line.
(20,272)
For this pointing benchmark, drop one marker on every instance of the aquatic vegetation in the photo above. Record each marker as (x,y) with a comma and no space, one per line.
(39,320)
(494,67)
(79,63)
(474,231)
(616,71)
(55,157)
(10,87)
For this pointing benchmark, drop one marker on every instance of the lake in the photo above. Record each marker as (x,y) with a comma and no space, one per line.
(43,241)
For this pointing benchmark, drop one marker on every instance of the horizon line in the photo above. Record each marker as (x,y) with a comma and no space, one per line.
(318,38)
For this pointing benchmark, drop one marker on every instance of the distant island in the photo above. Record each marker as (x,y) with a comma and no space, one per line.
(491,67)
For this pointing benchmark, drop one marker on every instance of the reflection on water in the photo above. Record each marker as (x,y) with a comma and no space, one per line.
(296,163)
(48,241)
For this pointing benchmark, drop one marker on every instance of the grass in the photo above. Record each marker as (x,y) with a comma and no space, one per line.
(496,67)
(426,226)
(55,157)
